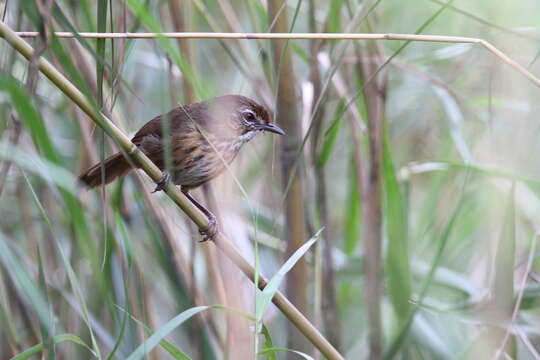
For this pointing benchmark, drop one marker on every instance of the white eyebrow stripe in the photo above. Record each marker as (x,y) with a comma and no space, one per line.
(248,111)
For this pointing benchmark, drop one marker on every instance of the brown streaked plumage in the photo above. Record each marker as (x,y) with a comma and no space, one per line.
(204,137)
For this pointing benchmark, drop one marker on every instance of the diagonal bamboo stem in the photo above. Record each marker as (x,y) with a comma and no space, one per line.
(295,316)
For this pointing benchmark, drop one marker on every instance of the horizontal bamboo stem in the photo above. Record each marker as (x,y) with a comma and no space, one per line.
(327,36)
(217,35)
(288,309)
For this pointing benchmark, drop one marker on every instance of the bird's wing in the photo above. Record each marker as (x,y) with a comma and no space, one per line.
(177,118)
(153,127)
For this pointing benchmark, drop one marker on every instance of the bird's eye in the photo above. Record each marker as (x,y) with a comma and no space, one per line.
(248,116)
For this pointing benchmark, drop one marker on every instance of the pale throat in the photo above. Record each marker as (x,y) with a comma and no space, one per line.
(231,148)
(244,138)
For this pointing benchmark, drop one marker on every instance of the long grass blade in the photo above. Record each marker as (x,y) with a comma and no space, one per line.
(36,349)
(265,297)
(397,258)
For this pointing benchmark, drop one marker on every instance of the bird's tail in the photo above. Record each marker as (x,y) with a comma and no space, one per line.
(115,166)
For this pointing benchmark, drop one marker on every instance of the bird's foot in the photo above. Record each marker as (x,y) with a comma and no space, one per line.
(209,231)
(160,184)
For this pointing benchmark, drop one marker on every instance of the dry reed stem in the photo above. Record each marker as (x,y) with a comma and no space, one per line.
(145,164)
(374,97)
(292,181)
(327,36)
(517,304)
(325,307)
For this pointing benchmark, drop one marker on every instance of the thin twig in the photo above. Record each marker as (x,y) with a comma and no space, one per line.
(276,35)
(145,164)
(517,304)
(533,352)
(329,36)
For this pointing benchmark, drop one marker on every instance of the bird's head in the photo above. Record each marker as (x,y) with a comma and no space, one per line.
(255,118)
(244,118)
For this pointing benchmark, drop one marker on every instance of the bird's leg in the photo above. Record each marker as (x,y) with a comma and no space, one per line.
(209,231)
(160,184)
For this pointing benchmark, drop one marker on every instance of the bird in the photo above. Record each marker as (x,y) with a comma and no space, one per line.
(203,139)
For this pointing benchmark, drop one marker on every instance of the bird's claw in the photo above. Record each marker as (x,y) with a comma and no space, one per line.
(209,231)
(160,184)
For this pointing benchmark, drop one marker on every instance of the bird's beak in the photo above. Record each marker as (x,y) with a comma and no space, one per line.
(272,128)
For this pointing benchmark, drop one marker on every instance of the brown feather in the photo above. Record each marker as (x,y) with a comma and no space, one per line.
(115,166)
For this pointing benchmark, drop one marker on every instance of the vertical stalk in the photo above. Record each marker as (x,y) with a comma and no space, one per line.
(179,21)
(329,311)
(286,113)
(374,95)
(503,289)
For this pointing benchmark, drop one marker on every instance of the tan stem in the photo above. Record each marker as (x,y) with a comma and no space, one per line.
(328,36)
(374,95)
(292,180)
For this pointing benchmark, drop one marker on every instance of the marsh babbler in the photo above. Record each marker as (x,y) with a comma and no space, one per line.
(204,138)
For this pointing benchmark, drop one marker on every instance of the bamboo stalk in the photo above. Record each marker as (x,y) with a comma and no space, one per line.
(276,35)
(374,95)
(179,20)
(326,309)
(294,212)
(292,181)
(295,316)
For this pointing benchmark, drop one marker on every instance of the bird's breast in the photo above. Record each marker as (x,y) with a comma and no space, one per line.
(195,163)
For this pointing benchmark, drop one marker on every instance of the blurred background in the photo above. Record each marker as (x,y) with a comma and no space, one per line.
(417,160)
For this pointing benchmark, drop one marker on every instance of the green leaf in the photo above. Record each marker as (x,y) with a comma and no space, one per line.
(396,344)
(302,54)
(398,268)
(36,349)
(265,297)
(503,287)
(334,17)
(24,282)
(150,343)
(352,216)
(69,270)
(268,343)
(34,123)
(46,335)
(171,349)
(274,350)
(51,173)
(29,116)
(330,137)
(102,27)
